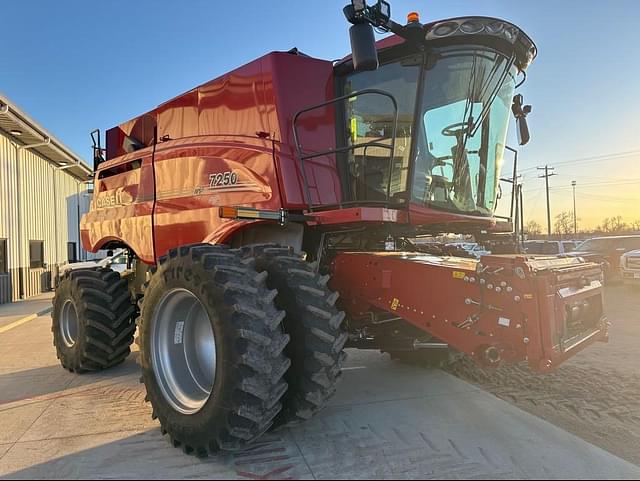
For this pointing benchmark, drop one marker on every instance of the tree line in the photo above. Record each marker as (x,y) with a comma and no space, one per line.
(564,226)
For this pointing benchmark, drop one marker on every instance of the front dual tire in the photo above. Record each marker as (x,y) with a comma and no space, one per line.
(212,342)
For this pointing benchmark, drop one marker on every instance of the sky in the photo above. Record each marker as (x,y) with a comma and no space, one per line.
(76,65)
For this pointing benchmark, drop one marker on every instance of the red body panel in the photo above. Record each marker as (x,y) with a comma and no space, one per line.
(122,206)
(514,304)
(241,122)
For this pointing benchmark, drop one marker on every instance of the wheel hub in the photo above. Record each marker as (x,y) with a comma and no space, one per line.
(183,351)
(69,325)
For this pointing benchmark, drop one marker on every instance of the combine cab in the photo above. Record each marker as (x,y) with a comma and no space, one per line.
(248,204)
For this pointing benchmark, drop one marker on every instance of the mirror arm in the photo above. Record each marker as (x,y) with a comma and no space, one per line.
(376,17)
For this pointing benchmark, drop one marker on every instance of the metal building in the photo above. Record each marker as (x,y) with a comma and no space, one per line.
(43,194)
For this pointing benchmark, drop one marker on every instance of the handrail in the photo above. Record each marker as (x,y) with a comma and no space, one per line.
(339,150)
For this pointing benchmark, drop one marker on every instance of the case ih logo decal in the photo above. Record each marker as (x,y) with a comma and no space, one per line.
(119,197)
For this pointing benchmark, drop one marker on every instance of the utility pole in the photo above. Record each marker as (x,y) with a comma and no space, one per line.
(575,219)
(546,176)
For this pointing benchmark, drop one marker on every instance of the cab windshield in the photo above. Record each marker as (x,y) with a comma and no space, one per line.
(451,116)
(462,129)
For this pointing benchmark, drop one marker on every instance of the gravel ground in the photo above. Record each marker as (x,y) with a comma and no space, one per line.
(595,395)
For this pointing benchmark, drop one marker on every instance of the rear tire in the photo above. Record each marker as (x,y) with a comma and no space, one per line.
(93,320)
(314,324)
(223,390)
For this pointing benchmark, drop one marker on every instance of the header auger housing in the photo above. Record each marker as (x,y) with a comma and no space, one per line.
(218,193)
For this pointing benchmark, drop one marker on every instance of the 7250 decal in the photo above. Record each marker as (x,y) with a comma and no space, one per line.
(223,178)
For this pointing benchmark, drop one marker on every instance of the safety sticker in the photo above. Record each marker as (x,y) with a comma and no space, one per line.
(394,304)
(504,322)
(458,275)
(178,333)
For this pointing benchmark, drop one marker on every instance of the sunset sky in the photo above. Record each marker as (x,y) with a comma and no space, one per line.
(75,66)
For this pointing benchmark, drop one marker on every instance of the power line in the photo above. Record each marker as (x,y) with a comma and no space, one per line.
(593,177)
(592,185)
(596,158)
(598,197)
(534,204)
(601,184)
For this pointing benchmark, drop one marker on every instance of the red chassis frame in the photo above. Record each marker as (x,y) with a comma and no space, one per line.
(503,308)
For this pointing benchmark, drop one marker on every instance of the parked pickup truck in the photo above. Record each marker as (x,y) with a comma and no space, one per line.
(547,247)
(607,251)
(630,267)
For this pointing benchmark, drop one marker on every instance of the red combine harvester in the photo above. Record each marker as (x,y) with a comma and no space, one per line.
(217,194)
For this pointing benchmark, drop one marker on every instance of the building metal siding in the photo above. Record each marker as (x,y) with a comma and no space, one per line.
(37,203)
(9,216)
(5,288)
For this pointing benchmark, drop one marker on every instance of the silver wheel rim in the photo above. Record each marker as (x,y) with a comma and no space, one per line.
(69,323)
(183,351)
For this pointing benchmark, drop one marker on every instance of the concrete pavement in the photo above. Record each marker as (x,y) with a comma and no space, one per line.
(387,421)
(15,311)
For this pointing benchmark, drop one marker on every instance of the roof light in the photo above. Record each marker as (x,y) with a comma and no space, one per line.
(524,47)
(473,26)
(16,133)
(413,17)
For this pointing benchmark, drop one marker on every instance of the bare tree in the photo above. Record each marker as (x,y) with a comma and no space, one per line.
(635,225)
(613,225)
(564,223)
(533,228)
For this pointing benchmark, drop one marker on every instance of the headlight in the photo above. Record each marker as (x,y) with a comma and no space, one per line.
(473,26)
(492,27)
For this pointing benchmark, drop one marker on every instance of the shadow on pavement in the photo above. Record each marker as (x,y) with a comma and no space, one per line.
(148,455)
(33,384)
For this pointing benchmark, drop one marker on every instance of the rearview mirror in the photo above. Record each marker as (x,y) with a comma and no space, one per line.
(363,47)
(523,131)
(520,112)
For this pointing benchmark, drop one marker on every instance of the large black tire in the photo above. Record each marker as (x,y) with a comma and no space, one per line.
(102,331)
(314,323)
(245,394)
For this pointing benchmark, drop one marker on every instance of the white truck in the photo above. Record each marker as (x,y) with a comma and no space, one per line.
(630,268)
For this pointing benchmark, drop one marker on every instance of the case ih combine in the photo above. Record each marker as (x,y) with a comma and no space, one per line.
(217,193)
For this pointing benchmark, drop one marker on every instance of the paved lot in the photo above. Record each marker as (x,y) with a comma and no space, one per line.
(17,311)
(388,421)
(595,395)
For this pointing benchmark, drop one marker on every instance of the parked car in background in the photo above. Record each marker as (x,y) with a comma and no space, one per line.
(472,248)
(607,251)
(117,261)
(478,251)
(467,246)
(550,247)
(630,268)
